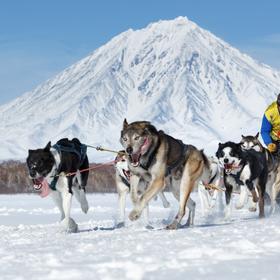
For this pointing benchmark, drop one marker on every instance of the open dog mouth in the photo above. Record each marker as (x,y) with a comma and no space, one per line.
(38,183)
(135,159)
(126,174)
(228,167)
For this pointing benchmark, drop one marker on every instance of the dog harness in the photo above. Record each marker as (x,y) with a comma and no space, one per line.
(125,181)
(68,147)
(173,160)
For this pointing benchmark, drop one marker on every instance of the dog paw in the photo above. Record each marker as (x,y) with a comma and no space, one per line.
(85,207)
(69,225)
(134,215)
(239,205)
(255,197)
(173,226)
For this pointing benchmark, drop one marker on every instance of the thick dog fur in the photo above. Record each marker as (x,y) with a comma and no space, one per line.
(123,188)
(248,169)
(209,197)
(273,164)
(44,164)
(156,157)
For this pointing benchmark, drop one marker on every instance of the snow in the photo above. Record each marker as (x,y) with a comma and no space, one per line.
(181,77)
(32,245)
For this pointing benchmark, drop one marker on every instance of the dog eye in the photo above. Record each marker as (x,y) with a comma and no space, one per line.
(136,138)
(231,154)
(124,139)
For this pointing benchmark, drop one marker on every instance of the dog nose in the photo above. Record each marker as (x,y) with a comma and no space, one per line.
(226,160)
(32,173)
(129,150)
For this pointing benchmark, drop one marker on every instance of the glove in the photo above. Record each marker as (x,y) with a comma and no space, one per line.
(272,147)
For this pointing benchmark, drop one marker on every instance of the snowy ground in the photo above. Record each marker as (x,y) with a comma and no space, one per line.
(32,245)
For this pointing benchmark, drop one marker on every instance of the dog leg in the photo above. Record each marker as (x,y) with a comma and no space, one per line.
(84,202)
(228,193)
(191,206)
(204,199)
(165,202)
(146,217)
(252,205)
(122,192)
(273,198)
(68,223)
(191,174)
(56,196)
(80,195)
(185,191)
(274,192)
(243,197)
(155,186)
(80,190)
(261,202)
(134,182)
(261,191)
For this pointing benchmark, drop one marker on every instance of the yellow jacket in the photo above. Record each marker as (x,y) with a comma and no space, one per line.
(273,117)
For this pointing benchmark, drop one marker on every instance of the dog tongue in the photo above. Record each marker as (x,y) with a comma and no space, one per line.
(135,158)
(43,186)
(45,191)
(227,166)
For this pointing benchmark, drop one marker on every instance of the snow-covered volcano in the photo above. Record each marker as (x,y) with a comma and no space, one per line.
(181,77)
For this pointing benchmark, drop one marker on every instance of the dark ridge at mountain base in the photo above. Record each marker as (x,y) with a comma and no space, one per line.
(14,179)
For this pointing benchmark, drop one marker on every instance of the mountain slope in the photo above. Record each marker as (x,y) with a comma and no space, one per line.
(173,73)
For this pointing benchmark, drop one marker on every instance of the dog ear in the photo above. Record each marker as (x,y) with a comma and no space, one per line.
(47,148)
(147,131)
(257,135)
(242,136)
(125,124)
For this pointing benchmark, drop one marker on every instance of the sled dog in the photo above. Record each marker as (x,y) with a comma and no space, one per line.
(273,164)
(123,187)
(50,164)
(248,169)
(155,157)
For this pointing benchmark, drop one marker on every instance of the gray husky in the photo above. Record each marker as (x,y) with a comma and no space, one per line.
(156,157)
(123,187)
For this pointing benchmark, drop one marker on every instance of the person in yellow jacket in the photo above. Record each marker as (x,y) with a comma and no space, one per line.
(270,129)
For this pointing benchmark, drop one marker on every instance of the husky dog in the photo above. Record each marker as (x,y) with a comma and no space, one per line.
(50,164)
(273,164)
(248,169)
(155,157)
(123,186)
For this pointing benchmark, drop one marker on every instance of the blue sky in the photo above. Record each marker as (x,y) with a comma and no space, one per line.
(40,38)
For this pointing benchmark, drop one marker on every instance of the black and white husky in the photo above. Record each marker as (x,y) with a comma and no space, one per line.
(51,164)
(248,169)
(273,163)
(123,188)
